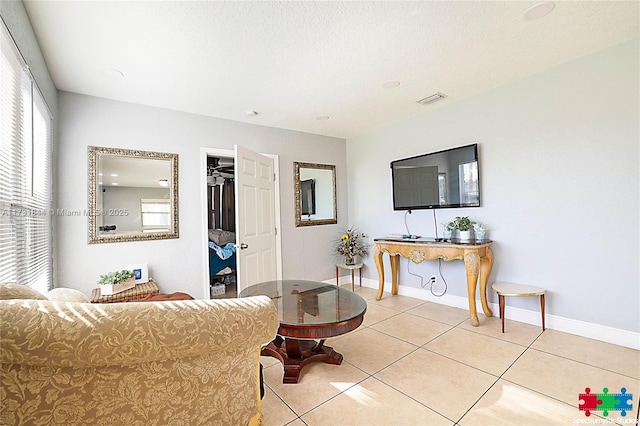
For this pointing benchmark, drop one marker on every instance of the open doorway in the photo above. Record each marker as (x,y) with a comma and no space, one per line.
(221,226)
(220,167)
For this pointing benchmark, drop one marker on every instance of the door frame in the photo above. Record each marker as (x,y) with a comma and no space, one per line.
(229,153)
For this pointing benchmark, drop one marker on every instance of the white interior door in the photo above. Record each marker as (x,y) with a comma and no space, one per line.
(255,218)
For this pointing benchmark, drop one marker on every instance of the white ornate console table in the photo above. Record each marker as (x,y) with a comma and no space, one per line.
(478,260)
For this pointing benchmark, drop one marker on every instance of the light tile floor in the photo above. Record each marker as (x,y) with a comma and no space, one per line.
(413,362)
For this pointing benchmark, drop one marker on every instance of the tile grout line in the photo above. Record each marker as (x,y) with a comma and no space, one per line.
(334,396)
(284,402)
(584,363)
(392,316)
(411,398)
(499,378)
(396,313)
(414,344)
(372,376)
(299,416)
(452,327)
(417,347)
(530,347)
(525,345)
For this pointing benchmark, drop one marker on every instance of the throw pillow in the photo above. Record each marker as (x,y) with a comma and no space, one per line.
(19,291)
(67,295)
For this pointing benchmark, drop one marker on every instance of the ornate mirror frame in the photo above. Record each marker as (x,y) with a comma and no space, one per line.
(95,235)
(322,193)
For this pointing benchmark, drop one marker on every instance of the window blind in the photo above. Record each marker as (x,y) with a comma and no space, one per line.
(25,175)
(156,214)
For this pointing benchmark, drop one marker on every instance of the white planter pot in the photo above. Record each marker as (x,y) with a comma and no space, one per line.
(109,289)
(465,236)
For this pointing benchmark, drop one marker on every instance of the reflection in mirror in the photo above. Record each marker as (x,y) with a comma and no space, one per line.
(315,192)
(308,197)
(133,195)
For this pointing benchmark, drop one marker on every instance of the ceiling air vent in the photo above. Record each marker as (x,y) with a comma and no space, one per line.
(433,98)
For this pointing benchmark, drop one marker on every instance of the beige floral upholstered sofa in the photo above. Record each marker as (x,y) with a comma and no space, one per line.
(65,361)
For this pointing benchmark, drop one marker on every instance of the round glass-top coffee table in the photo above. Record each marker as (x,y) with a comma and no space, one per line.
(308,310)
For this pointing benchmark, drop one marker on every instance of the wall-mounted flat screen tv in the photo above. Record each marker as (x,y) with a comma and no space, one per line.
(437,180)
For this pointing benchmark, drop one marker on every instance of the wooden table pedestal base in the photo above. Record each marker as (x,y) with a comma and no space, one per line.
(295,354)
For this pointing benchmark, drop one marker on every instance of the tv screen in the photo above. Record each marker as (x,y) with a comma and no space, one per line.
(437,180)
(308,192)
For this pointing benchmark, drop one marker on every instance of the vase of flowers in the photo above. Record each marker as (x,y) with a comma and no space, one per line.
(350,245)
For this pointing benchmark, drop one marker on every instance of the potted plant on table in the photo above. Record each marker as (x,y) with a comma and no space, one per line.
(350,245)
(463,228)
(116,282)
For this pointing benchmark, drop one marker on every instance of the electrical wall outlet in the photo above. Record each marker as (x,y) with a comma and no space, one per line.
(434,279)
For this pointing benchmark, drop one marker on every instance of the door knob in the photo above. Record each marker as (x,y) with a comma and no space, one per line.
(243,246)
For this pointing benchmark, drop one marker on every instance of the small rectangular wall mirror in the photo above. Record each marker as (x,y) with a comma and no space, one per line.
(133,195)
(315,193)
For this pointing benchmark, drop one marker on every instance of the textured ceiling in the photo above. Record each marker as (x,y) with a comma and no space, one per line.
(294,61)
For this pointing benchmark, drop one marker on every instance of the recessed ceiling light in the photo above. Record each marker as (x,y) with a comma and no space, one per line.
(251,113)
(392,84)
(322,117)
(115,184)
(538,11)
(163,182)
(114,175)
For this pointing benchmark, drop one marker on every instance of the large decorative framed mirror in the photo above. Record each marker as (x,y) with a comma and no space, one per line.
(133,195)
(315,192)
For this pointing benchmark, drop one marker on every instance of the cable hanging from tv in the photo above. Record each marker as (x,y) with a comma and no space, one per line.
(431,282)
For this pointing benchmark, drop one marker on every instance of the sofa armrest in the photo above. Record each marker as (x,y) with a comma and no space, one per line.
(70,334)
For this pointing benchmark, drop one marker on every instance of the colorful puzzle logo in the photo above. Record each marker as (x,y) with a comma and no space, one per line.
(605,402)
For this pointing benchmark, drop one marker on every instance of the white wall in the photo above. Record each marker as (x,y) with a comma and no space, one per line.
(559,163)
(176,264)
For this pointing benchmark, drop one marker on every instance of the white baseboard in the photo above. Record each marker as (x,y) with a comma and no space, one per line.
(589,330)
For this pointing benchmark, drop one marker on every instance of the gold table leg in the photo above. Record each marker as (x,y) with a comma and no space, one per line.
(395,262)
(377,256)
(471,263)
(485,269)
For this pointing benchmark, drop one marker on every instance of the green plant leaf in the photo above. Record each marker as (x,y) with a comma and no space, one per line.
(116,277)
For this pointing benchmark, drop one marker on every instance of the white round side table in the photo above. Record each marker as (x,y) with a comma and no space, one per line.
(351,268)
(510,289)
